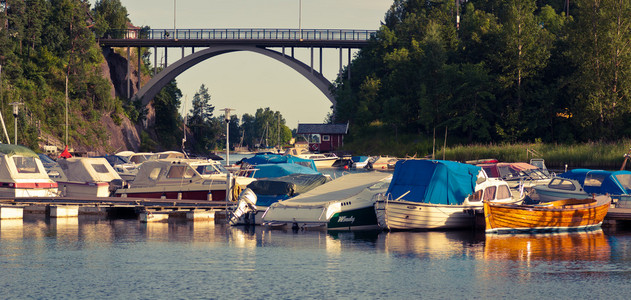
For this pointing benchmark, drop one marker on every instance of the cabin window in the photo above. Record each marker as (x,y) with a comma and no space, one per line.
(503,192)
(476,197)
(154,174)
(326,138)
(594,180)
(207,170)
(25,164)
(489,193)
(180,172)
(561,184)
(625,180)
(100,168)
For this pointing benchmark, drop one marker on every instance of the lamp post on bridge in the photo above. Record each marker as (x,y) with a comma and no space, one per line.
(300,18)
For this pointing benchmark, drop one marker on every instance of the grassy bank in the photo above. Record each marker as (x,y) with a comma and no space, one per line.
(587,155)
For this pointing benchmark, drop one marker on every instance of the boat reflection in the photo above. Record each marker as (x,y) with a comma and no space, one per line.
(431,244)
(573,246)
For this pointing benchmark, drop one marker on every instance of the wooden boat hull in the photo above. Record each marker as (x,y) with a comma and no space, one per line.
(561,215)
(406,215)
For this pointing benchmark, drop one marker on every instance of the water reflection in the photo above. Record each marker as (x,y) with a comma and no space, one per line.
(11,229)
(431,244)
(586,246)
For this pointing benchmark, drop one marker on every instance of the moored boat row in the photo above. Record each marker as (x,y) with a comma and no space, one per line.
(419,195)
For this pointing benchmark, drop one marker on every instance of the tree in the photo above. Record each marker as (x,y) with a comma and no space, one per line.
(601,51)
(110,15)
(200,121)
(166,105)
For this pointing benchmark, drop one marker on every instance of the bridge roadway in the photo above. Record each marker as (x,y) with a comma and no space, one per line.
(312,38)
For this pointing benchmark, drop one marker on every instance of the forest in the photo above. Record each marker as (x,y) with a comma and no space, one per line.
(494,71)
(484,71)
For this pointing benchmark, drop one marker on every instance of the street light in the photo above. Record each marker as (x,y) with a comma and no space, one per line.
(16,110)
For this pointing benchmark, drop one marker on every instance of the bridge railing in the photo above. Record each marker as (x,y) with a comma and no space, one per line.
(242,34)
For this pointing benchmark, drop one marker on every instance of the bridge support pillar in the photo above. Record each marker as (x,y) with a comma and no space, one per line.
(311,65)
(340,72)
(128,77)
(348,63)
(321,61)
(138,83)
(155,60)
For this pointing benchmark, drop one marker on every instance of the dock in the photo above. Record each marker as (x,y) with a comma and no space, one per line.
(144,209)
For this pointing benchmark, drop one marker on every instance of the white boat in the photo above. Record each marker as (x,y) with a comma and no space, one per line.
(192,179)
(345,203)
(559,188)
(260,194)
(87,177)
(436,194)
(22,174)
(321,160)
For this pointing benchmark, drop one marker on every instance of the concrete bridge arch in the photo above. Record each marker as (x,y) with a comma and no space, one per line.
(153,87)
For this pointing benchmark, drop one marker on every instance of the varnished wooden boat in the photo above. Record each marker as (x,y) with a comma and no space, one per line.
(560,215)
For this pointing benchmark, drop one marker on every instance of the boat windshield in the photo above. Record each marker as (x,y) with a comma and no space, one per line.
(380,185)
(211,169)
(45,159)
(625,181)
(25,164)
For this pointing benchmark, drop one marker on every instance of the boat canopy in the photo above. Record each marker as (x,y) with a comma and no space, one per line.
(281,169)
(601,182)
(19,162)
(88,169)
(270,190)
(10,150)
(433,181)
(259,159)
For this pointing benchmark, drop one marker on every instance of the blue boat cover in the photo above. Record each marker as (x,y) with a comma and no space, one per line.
(359,158)
(259,159)
(433,181)
(281,169)
(601,182)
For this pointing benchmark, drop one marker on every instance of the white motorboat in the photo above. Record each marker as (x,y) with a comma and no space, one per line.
(321,160)
(87,177)
(22,174)
(192,179)
(345,203)
(436,194)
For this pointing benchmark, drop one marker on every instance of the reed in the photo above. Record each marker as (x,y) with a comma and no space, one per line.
(595,155)
(586,155)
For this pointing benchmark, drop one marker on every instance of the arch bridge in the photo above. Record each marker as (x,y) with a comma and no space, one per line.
(220,41)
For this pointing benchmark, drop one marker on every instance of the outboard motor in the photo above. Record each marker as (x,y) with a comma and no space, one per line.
(245,204)
(116,184)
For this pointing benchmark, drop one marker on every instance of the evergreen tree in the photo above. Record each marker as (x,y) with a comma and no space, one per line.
(200,121)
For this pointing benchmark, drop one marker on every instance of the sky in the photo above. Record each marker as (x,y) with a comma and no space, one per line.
(246,81)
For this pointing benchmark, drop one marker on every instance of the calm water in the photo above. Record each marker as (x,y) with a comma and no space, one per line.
(90,257)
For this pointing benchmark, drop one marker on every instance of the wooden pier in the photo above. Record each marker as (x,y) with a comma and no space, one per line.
(145,209)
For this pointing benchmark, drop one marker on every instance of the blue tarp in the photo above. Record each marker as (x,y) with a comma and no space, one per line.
(281,169)
(259,159)
(433,181)
(360,158)
(601,182)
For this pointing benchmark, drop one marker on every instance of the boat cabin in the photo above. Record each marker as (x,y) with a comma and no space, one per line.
(22,174)
(87,177)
